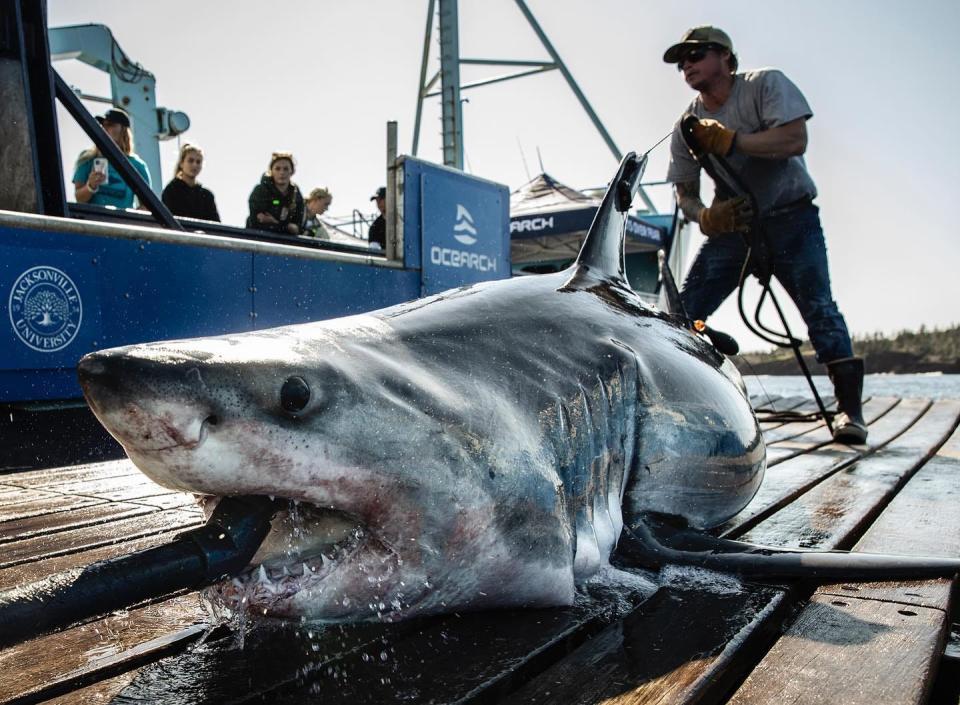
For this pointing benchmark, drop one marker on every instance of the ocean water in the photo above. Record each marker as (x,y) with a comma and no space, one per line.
(933,385)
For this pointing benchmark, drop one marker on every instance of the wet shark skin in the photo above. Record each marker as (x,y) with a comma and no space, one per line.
(492,439)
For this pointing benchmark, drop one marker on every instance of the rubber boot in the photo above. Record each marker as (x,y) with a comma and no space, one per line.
(847,378)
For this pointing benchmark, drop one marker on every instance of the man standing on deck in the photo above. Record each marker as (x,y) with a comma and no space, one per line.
(757,121)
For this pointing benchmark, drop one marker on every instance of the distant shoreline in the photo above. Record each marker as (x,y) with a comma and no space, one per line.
(882,363)
(905,353)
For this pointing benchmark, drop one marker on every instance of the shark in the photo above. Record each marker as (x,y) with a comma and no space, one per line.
(491,446)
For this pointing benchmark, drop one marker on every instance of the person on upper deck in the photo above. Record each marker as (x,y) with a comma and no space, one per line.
(184,195)
(317,203)
(275,203)
(757,121)
(378,231)
(94,180)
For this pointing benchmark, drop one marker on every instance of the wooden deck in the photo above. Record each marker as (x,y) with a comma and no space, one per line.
(693,640)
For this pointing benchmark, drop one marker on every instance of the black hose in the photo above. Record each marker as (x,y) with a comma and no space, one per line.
(202,556)
(651,543)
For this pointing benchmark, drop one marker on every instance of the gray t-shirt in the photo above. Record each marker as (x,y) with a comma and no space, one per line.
(759,100)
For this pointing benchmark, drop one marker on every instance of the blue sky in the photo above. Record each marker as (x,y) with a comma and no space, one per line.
(322,78)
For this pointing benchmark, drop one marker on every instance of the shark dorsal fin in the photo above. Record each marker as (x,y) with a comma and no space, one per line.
(602,250)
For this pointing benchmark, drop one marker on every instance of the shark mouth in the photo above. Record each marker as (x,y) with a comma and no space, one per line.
(337,567)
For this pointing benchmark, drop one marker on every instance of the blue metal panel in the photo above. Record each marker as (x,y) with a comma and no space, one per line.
(412,169)
(291,290)
(66,294)
(160,291)
(51,301)
(464,230)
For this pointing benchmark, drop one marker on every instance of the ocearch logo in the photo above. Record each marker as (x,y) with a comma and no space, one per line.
(45,309)
(465,233)
(463,225)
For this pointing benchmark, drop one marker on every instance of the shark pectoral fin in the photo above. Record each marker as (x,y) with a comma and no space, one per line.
(653,542)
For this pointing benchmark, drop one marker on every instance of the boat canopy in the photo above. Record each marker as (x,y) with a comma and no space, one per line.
(548,221)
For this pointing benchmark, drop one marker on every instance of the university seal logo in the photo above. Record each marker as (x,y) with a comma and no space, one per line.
(45,309)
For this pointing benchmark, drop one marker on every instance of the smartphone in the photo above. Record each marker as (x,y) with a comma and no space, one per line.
(100,165)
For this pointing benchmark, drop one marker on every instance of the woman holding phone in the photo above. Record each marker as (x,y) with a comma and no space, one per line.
(93,179)
(275,203)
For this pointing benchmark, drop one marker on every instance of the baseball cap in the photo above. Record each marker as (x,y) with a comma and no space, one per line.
(381,193)
(694,37)
(116,116)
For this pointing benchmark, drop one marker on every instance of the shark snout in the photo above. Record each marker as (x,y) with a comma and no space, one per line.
(146,404)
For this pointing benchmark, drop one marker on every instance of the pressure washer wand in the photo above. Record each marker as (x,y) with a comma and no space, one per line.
(220,548)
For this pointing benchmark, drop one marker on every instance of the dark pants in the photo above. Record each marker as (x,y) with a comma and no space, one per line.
(798,259)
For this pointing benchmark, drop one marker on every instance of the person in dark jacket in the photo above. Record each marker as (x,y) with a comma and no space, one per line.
(184,195)
(378,231)
(275,203)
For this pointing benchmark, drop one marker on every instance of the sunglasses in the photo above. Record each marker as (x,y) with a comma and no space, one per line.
(693,56)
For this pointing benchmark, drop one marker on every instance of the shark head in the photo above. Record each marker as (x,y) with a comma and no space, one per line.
(400,500)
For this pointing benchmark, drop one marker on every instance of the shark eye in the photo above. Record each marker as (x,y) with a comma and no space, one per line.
(294,394)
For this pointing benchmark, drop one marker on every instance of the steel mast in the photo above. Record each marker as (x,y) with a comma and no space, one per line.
(450,86)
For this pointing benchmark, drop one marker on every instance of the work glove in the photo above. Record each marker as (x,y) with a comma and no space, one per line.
(732,216)
(713,137)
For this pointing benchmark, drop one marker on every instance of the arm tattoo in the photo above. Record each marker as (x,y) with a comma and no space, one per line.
(688,196)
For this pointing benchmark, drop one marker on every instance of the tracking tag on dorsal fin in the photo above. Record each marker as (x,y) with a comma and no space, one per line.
(602,250)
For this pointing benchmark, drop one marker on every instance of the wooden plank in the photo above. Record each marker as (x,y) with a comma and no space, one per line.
(797,474)
(767,415)
(657,653)
(829,516)
(167,501)
(76,514)
(54,664)
(437,660)
(144,490)
(763,400)
(234,669)
(10,500)
(867,483)
(73,540)
(36,510)
(873,410)
(771,420)
(101,487)
(821,436)
(99,692)
(39,569)
(789,480)
(783,404)
(52,476)
(922,520)
(898,628)
(820,659)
